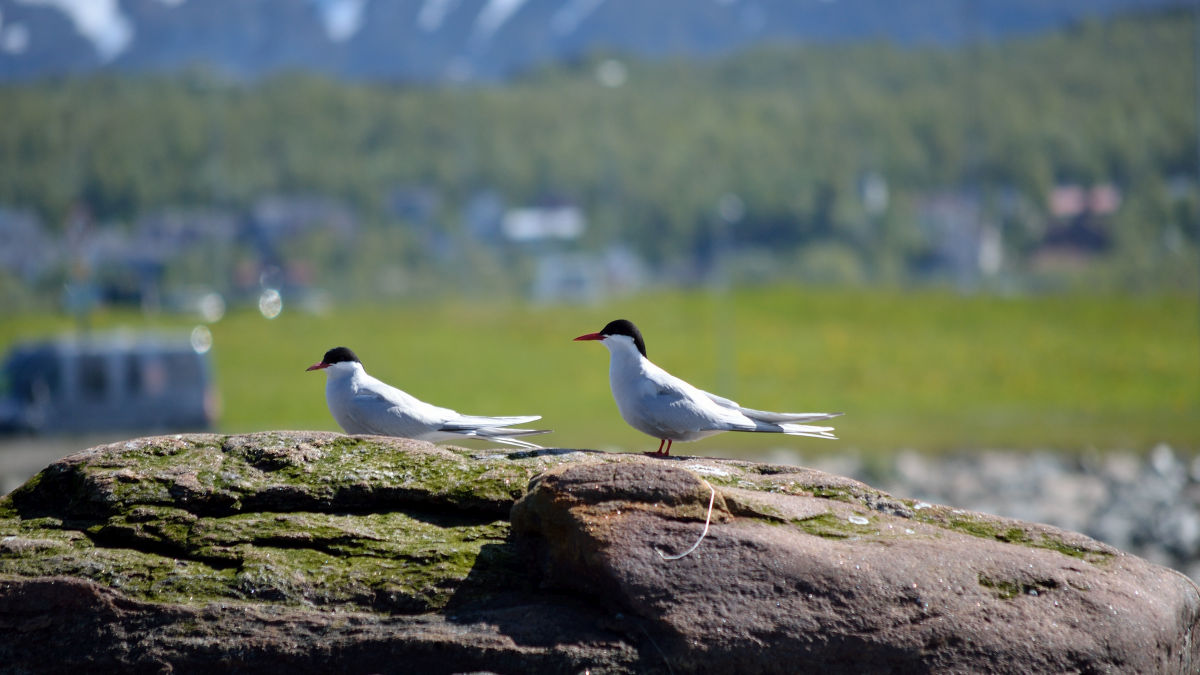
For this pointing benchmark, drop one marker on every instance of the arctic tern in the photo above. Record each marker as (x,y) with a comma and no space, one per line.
(657,403)
(362,404)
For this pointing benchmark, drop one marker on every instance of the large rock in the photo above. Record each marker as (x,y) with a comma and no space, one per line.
(321,552)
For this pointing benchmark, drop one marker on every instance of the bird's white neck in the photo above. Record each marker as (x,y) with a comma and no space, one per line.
(625,357)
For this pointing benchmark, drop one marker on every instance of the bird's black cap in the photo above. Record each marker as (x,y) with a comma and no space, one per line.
(338,355)
(626,327)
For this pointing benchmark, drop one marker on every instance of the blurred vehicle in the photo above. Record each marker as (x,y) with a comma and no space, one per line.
(83,385)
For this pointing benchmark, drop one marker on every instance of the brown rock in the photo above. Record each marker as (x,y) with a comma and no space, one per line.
(72,625)
(795,582)
(319,552)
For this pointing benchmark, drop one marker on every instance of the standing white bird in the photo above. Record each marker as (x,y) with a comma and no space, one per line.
(362,404)
(657,403)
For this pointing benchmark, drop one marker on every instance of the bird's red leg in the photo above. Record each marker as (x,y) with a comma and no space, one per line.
(669,442)
(660,444)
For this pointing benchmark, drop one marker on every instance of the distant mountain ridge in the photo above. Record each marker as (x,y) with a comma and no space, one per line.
(433,40)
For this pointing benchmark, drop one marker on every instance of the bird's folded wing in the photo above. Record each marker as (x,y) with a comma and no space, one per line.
(768,416)
(468,422)
(473,426)
(721,400)
(500,433)
(670,404)
(509,438)
(776,418)
(377,414)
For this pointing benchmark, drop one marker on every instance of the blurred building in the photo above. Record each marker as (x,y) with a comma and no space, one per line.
(964,245)
(27,251)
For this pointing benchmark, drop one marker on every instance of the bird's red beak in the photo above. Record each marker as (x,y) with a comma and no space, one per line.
(589,336)
(317,366)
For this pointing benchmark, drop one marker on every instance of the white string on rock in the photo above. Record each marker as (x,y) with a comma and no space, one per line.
(707,519)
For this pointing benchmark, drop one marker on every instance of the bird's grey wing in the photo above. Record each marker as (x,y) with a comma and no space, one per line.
(457,422)
(376,414)
(766,415)
(506,436)
(669,404)
(721,400)
(783,418)
(493,428)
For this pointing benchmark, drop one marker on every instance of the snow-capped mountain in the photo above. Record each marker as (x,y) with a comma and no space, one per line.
(423,40)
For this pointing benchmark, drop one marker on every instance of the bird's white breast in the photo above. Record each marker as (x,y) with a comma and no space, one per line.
(655,402)
(339,392)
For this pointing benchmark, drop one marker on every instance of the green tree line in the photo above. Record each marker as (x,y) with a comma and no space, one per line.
(790,129)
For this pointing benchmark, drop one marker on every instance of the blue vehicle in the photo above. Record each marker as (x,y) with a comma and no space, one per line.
(110,383)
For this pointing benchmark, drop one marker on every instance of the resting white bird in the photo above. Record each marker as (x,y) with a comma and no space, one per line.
(362,404)
(657,403)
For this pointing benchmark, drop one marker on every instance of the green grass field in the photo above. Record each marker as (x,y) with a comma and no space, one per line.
(926,370)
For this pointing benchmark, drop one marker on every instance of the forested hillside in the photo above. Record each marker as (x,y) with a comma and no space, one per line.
(648,148)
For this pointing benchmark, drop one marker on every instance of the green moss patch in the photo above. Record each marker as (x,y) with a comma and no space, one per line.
(986,528)
(391,562)
(1008,589)
(214,475)
(840,494)
(832,526)
(316,519)
(976,525)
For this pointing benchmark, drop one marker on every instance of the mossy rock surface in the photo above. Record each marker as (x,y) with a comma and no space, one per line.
(365,554)
(301,519)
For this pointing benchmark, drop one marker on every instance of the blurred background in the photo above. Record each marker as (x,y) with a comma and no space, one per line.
(972,225)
